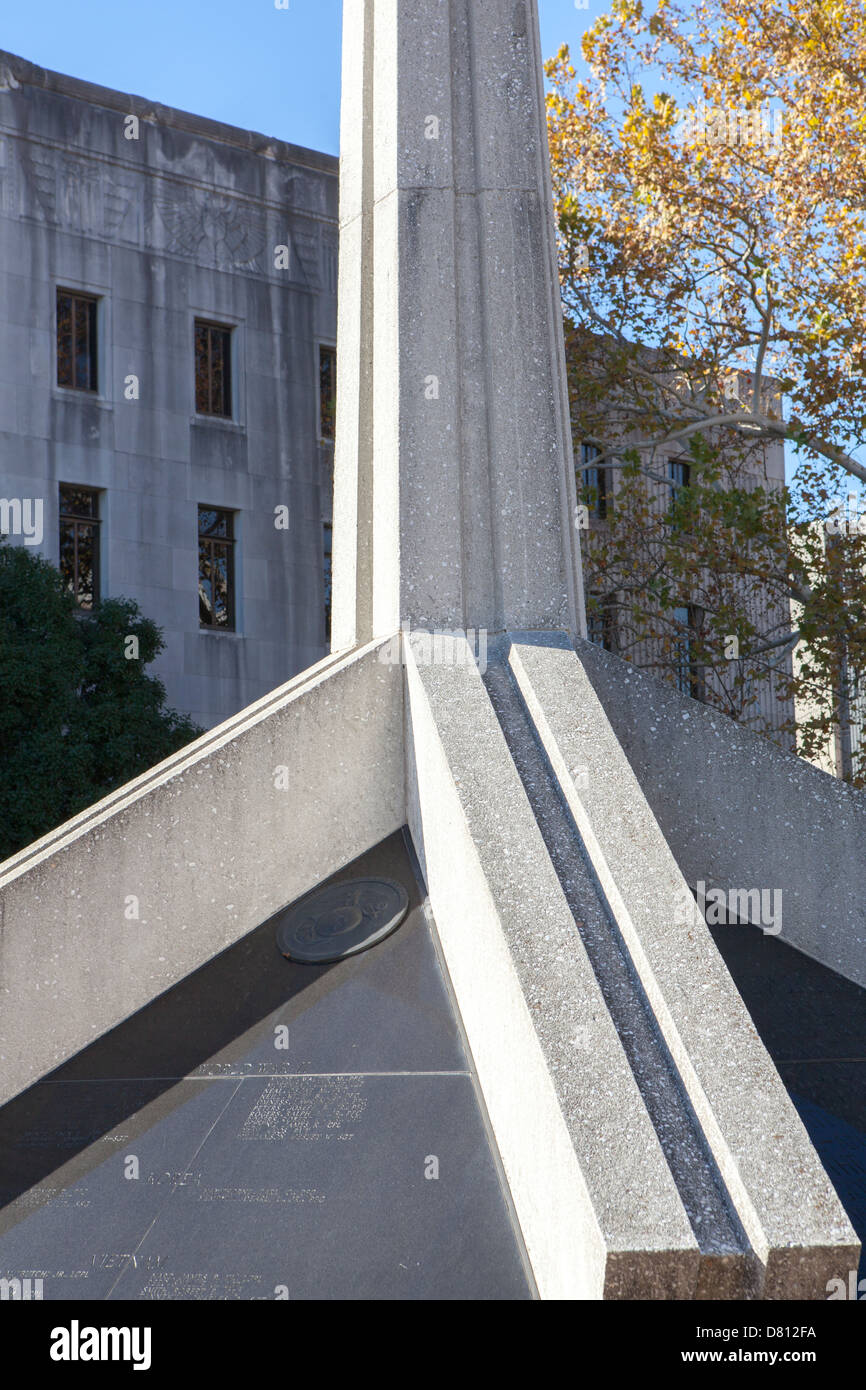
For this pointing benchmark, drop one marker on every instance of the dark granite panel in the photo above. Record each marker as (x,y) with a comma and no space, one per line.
(79,1226)
(801,1009)
(270,1171)
(843,1153)
(813,1024)
(316,1186)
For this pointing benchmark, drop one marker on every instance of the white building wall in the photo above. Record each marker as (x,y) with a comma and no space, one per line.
(177,224)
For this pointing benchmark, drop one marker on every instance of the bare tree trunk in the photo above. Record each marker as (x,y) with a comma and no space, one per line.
(843,708)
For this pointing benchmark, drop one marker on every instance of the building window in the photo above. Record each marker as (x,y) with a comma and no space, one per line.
(79,543)
(213,369)
(327,551)
(327,392)
(216,569)
(680,475)
(77,344)
(593,481)
(688,674)
(601,621)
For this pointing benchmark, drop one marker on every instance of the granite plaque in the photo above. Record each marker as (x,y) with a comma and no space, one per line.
(342,920)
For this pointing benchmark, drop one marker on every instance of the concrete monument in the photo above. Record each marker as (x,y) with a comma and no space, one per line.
(648,1145)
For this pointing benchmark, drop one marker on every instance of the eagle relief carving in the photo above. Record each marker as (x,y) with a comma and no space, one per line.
(215,231)
(81,185)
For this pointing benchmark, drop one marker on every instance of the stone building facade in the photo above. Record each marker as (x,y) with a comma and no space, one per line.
(167,325)
(760,700)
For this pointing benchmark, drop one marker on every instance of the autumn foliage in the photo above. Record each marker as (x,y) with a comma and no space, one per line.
(709,173)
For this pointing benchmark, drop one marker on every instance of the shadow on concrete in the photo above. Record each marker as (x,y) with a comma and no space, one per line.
(192,1026)
(268,1129)
(813,1024)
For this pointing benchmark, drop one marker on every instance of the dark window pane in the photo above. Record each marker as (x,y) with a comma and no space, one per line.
(67,553)
(216,568)
(212,522)
(220,585)
(327,392)
(77,341)
(202,372)
(213,387)
(85,589)
(91,311)
(680,476)
(593,482)
(79,543)
(595,491)
(682,651)
(64,340)
(327,550)
(216,375)
(601,622)
(78,501)
(688,675)
(82,346)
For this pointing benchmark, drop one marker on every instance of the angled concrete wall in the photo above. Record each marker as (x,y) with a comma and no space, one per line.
(740,814)
(598,1208)
(650,1146)
(787,1206)
(114,907)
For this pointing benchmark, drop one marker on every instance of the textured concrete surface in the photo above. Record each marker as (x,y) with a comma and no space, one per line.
(788,1209)
(649,1147)
(737,812)
(454,501)
(181,223)
(598,1207)
(119,904)
(728,1266)
(300,1132)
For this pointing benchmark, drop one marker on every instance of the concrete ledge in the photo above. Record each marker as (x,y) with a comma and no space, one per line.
(739,813)
(597,1204)
(203,848)
(784,1199)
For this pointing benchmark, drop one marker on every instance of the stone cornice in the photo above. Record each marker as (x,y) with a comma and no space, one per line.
(17,72)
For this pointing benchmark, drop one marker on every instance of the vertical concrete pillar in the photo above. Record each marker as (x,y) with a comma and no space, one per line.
(455,496)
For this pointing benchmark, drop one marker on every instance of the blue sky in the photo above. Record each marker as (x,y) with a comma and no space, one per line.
(241,61)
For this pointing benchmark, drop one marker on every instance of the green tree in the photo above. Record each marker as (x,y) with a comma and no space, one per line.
(77,716)
(713,234)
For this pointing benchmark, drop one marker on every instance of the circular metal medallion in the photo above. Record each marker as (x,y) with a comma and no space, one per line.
(341,920)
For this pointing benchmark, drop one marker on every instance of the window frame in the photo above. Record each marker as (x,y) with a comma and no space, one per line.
(603,622)
(77,521)
(230,330)
(676,486)
(230,544)
(598,510)
(689,677)
(328,576)
(322,347)
(94,332)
